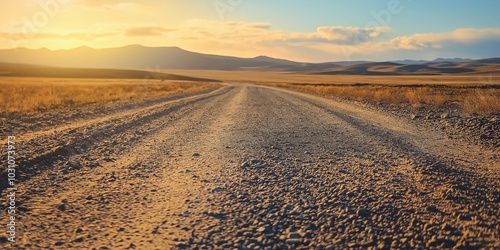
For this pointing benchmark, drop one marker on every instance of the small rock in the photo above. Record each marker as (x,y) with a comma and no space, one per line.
(294,235)
(432,208)
(79,239)
(245,165)
(59,243)
(428,226)
(62,207)
(61,151)
(447,227)
(196,155)
(382,245)
(216,215)
(363,212)
(463,217)
(255,161)
(264,229)
(293,241)
(330,247)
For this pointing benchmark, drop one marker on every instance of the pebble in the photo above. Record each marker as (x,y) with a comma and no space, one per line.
(363,212)
(62,207)
(294,241)
(294,235)
(59,243)
(79,239)
(432,208)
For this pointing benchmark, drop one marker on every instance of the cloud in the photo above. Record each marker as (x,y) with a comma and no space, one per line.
(108,4)
(339,35)
(44,35)
(226,27)
(262,33)
(440,40)
(350,35)
(147,31)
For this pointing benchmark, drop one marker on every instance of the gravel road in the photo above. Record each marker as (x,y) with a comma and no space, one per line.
(252,167)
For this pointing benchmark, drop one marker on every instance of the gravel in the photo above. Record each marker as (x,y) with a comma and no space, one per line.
(251,167)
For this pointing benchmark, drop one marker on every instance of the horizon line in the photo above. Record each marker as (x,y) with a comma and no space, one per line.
(262,55)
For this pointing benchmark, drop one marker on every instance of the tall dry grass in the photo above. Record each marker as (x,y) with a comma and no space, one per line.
(472,100)
(482,102)
(30,95)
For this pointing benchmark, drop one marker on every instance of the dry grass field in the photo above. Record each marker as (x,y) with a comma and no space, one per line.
(472,99)
(474,93)
(287,77)
(29,95)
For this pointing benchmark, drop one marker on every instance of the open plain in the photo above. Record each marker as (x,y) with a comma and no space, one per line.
(251,167)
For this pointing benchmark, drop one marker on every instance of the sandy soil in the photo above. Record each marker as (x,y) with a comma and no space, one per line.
(251,167)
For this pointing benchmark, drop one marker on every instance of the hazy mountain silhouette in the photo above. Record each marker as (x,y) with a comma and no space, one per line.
(136,57)
(154,58)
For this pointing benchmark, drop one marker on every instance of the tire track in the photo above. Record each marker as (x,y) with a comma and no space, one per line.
(50,148)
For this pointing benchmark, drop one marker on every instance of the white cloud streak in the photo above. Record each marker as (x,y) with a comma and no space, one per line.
(439,40)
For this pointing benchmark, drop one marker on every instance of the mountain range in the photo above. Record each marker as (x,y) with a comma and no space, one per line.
(142,58)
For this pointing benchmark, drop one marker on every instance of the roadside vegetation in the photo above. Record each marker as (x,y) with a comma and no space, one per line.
(471,99)
(31,95)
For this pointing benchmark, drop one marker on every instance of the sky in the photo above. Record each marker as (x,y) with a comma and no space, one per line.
(299,30)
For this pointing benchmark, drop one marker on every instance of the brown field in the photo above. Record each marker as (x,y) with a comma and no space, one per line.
(29,95)
(474,93)
(284,77)
(471,99)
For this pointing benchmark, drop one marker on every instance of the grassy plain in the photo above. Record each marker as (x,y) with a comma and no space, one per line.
(287,77)
(471,99)
(22,95)
(474,93)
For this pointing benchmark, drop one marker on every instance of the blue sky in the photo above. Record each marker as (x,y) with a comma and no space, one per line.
(303,30)
(417,16)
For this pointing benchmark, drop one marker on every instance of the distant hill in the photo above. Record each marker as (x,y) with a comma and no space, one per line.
(456,60)
(382,68)
(453,60)
(137,57)
(436,67)
(28,70)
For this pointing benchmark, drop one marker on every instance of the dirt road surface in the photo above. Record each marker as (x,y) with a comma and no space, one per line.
(251,167)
